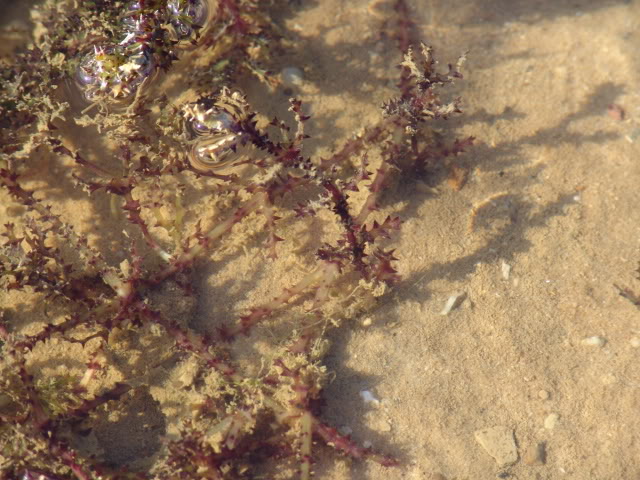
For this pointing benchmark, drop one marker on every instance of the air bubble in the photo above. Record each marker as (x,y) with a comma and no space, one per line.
(187,14)
(113,71)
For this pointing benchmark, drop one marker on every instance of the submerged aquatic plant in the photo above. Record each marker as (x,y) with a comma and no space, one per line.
(253,184)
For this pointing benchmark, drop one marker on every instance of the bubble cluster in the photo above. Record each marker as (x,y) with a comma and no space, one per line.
(216,130)
(116,70)
(187,15)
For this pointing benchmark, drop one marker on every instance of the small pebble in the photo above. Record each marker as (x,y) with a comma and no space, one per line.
(506,270)
(385,426)
(635,342)
(535,455)
(368,398)
(551,421)
(608,379)
(378,424)
(616,112)
(543,395)
(499,443)
(438,476)
(594,341)
(291,76)
(367,322)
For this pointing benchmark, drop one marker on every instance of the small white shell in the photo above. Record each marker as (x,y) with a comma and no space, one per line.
(453,302)
(594,341)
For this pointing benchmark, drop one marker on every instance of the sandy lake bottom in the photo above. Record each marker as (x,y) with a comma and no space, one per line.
(540,358)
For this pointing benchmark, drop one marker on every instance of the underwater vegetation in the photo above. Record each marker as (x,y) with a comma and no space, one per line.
(188,179)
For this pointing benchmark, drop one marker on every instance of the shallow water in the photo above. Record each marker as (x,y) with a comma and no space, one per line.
(551,192)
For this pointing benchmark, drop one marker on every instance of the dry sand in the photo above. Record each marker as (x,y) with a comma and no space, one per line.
(547,222)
